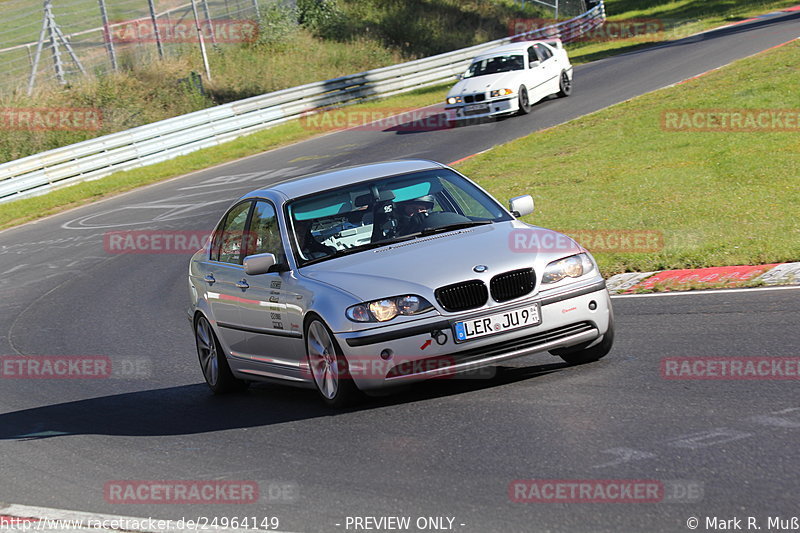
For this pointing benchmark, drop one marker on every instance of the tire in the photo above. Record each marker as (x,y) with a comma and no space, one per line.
(213,362)
(328,367)
(564,85)
(524,101)
(581,356)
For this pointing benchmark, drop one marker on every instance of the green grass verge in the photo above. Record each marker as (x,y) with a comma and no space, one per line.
(720,198)
(21,211)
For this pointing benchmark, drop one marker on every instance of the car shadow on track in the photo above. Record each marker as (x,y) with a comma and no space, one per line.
(191,409)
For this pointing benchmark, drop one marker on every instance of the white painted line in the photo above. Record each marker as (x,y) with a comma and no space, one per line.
(707,292)
(76,521)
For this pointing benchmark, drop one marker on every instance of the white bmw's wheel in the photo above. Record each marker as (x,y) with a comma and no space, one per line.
(564,85)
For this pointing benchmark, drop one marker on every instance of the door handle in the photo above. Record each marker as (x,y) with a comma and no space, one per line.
(242,284)
(210,279)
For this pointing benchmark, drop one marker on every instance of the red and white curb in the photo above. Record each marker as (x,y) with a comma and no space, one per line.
(21,518)
(769,275)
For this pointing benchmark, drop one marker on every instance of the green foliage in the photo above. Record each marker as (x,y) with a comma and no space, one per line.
(324,19)
(278,23)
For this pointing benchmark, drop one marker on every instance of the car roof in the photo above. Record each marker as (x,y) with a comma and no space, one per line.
(510,47)
(340,177)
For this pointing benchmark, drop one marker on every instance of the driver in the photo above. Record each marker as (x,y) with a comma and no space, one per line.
(412,214)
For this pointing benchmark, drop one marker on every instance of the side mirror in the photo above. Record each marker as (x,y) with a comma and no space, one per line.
(519,206)
(460,77)
(534,64)
(259,264)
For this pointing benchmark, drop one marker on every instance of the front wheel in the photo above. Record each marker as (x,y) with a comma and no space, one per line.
(564,85)
(328,366)
(524,101)
(215,367)
(582,356)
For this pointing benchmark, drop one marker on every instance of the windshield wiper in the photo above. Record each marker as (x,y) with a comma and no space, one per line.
(371,245)
(455,226)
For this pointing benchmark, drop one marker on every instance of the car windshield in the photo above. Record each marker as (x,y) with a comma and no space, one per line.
(384,211)
(493,65)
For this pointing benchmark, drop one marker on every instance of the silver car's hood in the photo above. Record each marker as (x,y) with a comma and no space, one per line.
(421,265)
(489,82)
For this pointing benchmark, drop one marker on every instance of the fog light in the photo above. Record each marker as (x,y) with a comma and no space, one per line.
(386,354)
(592,305)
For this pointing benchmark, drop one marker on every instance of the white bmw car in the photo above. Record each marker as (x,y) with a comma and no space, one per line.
(509,79)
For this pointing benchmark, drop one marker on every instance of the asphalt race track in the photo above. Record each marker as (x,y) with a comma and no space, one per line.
(447,448)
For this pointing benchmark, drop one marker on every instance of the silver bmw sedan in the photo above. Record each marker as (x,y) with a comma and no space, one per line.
(362,278)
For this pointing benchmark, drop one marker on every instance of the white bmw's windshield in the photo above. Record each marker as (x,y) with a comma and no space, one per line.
(376,213)
(494,65)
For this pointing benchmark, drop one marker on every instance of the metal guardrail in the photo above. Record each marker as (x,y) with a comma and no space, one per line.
(170,138)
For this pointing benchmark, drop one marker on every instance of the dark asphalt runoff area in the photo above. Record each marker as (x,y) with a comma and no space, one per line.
(450,449)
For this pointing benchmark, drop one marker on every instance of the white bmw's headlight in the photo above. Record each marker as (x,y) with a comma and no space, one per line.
(454,100)
(500,92)
(570,267)
(388,308)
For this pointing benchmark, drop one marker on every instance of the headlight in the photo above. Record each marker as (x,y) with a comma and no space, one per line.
(388,308)
(570,267)
(454,100)
(500,92)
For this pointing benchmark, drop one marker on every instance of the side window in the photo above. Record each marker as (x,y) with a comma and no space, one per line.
(228,238)
(544,52)
(532,56)
(264,235)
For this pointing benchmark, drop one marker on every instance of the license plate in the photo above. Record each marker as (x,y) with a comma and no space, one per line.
(489,325)
(483,108)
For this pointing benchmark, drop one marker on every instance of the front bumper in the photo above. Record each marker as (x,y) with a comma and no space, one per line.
(496,107)
(427,348)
